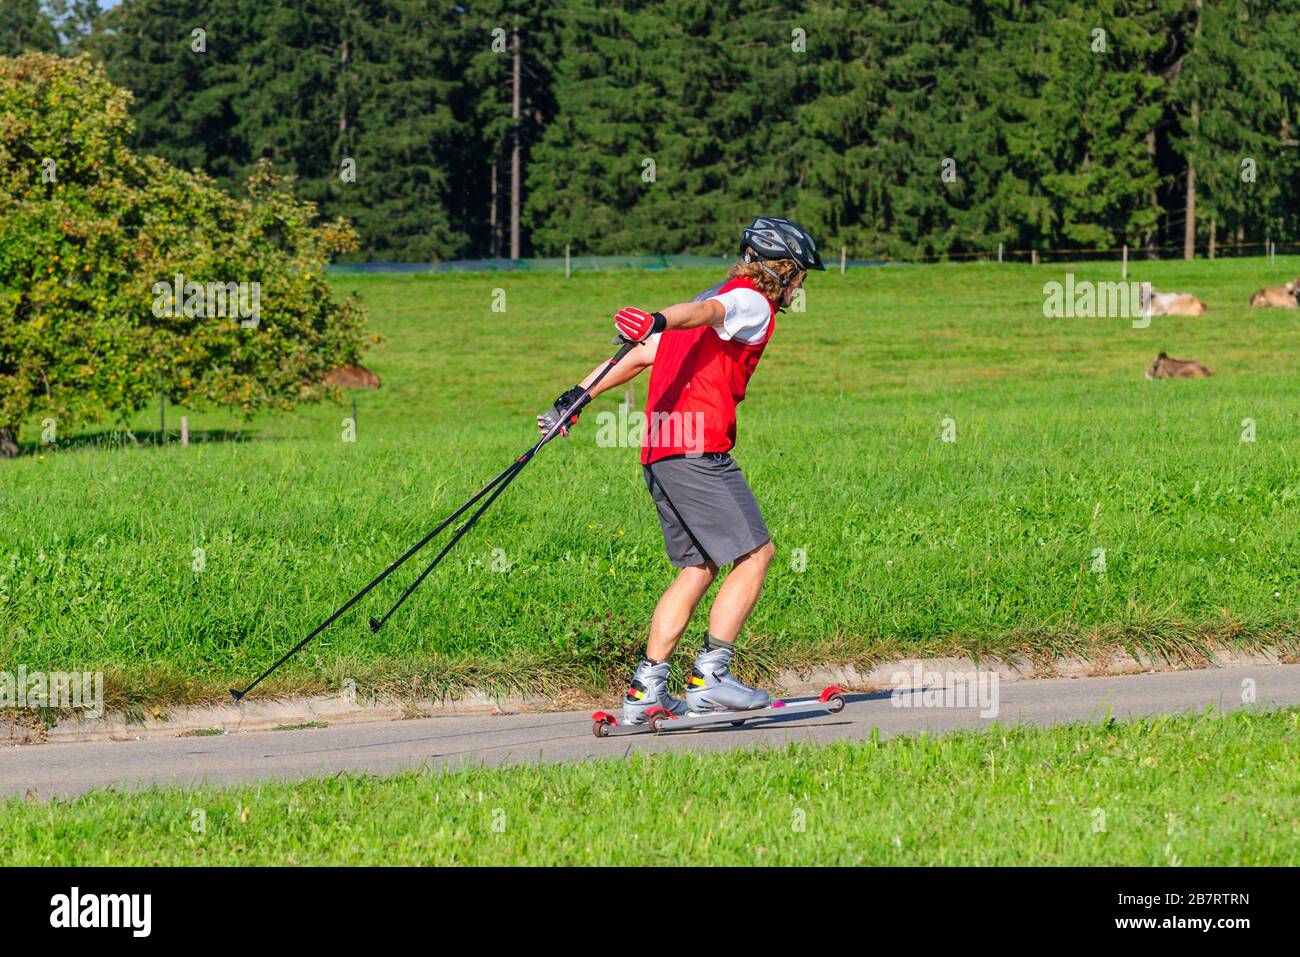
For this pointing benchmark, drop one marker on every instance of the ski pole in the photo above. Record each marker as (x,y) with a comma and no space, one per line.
(499,483)
(376,624)
(518,467)
(236,694)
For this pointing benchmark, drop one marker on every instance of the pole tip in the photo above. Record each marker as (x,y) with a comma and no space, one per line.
(236,694)
(374,625)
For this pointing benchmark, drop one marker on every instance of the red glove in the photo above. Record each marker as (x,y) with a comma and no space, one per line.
(634,325)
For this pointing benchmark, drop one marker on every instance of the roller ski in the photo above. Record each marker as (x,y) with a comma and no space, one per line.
(713,696)
(661,720)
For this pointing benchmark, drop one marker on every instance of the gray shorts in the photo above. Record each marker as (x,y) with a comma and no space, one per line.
(706,508)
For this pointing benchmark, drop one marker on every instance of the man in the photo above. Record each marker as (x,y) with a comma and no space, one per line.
(701,355)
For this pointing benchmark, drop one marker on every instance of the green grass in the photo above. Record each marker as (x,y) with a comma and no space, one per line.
(1192,790)
(913,545)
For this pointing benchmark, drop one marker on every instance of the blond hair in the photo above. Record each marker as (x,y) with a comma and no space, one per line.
(787,269)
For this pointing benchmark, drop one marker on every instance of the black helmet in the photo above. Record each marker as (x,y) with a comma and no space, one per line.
(771,238)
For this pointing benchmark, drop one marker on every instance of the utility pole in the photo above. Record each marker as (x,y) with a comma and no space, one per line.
(494,243)
(514,159)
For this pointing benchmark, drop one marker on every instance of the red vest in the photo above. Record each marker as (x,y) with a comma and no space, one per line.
(696,382)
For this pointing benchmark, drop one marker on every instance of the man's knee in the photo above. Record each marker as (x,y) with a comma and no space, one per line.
(706,571)
(761,557)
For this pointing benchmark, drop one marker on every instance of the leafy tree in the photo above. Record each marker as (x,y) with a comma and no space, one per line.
(92,237)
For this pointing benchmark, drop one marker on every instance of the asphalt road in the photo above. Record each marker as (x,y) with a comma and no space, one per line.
(64,770)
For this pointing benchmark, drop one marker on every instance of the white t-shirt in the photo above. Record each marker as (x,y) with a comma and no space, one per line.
(747,315)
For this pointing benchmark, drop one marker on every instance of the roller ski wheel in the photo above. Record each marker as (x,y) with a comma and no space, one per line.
(834,697)
(656,718)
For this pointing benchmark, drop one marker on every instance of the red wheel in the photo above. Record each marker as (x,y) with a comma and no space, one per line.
(829,692)
(601,722)
(656,716)
(836,701)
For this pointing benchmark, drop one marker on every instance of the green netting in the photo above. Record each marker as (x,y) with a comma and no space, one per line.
(550,264)
(602,263)
(589,263)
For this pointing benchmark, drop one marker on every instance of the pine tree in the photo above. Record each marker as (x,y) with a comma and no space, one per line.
(25,26)
(491,29)
(181,60)
(1235,102)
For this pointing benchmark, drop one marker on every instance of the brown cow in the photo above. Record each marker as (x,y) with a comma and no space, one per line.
(1165,367)
(352,377)
(1281,297)
(1171,303)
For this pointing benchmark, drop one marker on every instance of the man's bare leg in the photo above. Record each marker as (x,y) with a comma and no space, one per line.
(739,593)
(673,613)
(712,686)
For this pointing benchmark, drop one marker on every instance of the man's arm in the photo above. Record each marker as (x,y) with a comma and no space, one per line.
(688,315)
(636,326)
(629,367)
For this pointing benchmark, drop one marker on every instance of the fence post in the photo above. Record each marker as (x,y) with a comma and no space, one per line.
(999,252)
(843,259)
(567,271)
(1124,274)
(185,431)
(1033,257)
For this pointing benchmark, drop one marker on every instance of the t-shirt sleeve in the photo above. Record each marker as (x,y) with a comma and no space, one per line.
(747,315)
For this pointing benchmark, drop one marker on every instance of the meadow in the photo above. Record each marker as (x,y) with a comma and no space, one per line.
(1080,508)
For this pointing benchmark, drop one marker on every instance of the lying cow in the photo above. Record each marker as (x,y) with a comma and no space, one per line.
(1166,368)
(1169,303)
(1281,297)
(352,377)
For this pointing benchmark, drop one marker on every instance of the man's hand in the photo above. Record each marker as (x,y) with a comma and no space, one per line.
(546,421)
(636,325)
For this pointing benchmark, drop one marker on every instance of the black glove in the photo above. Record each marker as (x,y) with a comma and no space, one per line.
(546,421)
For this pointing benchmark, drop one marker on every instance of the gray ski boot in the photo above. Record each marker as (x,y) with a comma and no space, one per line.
(712,687)
(649,689)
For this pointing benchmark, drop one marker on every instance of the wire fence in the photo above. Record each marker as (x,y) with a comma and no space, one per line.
(1034,256)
